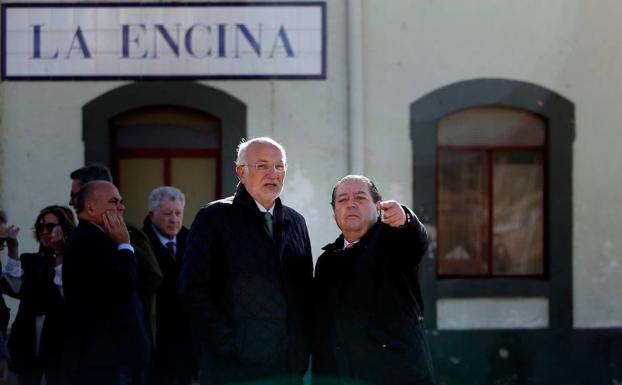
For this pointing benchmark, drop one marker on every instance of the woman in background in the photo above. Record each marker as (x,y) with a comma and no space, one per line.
(36,338)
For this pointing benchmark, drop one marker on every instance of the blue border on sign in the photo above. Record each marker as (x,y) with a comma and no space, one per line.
(320,76)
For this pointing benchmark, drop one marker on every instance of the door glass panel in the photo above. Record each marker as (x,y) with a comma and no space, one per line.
(518,213)
(137,177)
(196,177)
(491,127)
(462,213)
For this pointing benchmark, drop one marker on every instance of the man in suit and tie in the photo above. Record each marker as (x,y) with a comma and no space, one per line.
(149,276)
(106,339)
(246,277)
(173,359)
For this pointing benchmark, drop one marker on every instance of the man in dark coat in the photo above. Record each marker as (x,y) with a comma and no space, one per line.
(173,358)
(247,275)
(149,276)
(368,310)
(106,338)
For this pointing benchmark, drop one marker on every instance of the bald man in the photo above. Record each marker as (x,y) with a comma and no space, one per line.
(106,340)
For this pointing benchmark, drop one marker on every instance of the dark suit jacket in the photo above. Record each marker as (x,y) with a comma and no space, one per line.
(368,310)
(173,340)
(105,323)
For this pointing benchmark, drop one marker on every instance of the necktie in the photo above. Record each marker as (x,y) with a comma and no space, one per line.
(267,219)
(171,249)
(350,245)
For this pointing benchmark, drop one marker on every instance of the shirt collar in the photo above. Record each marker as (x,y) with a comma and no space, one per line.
(264,210)
(163,240)
(346,243)
(96,225)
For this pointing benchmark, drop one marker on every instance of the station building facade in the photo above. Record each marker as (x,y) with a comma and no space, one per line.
(496,121)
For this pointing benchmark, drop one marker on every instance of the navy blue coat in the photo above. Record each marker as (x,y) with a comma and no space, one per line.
(368,325)
(247,294)
(105,324)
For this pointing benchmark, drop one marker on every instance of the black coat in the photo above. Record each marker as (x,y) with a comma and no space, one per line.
(105,321)
(173,344)
(368,319)
(247,294)
(38,296)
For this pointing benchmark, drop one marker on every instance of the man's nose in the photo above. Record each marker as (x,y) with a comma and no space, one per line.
(272,170)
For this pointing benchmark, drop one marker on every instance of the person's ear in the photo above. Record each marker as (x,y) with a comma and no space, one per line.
(89,207)
(239,170)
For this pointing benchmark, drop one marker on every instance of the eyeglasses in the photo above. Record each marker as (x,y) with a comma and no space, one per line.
(41,227)
(266,167)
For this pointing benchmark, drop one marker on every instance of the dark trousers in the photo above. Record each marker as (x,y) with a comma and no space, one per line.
(107,376)
(33,376)
(52,377)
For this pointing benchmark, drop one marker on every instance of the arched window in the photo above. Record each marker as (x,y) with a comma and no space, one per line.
(493,181)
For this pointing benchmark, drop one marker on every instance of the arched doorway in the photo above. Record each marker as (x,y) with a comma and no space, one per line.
(155,133)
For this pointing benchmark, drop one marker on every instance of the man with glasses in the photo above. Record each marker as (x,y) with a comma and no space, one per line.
(246,277)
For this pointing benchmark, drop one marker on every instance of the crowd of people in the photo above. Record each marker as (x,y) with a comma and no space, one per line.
(232,300)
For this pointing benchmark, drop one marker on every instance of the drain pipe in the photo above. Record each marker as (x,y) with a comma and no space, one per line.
(356,133)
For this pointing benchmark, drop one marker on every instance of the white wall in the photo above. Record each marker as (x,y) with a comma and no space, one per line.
(411,47)
(571,47)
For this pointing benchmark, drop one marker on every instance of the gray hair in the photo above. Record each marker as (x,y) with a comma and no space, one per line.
(243,146)
(165,193)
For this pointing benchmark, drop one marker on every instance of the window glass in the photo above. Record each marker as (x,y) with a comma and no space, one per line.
(518,213)
(490,184)
(462,208)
